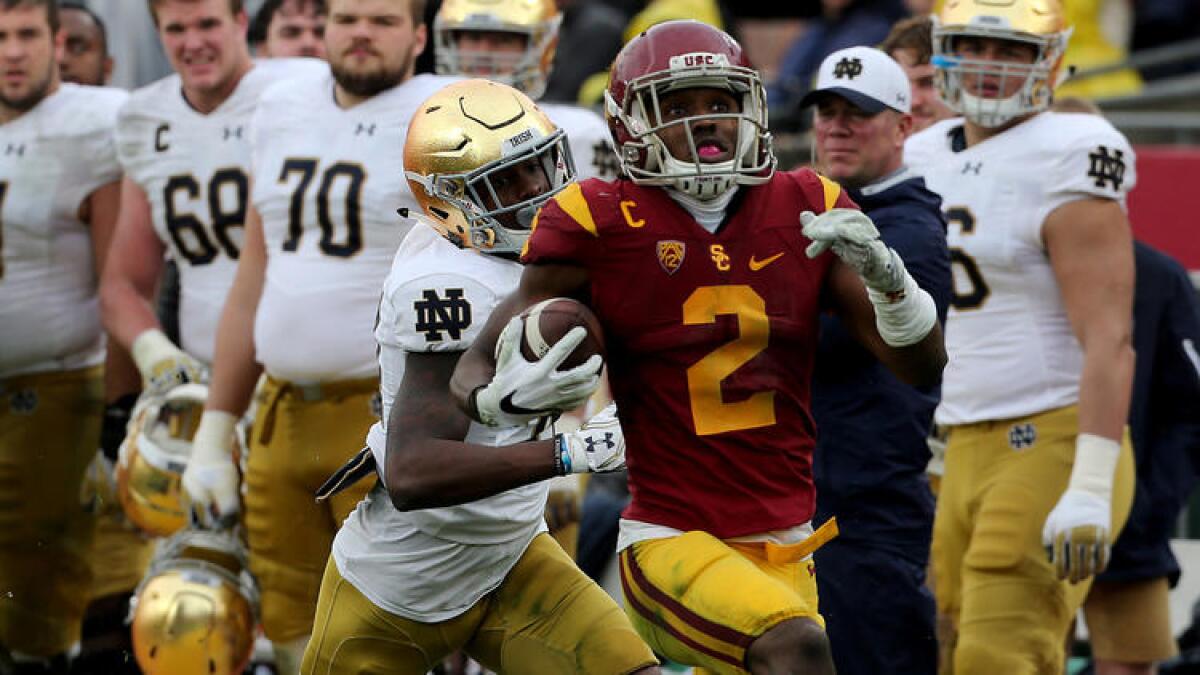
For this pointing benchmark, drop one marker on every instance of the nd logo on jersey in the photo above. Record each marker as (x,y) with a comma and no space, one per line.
(436,314)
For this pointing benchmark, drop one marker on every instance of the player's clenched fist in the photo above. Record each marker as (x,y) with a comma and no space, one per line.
(163,365)
(1077,531)
(596,447)
(211,478)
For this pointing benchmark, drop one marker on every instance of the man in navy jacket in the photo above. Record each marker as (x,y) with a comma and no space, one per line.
(871,428)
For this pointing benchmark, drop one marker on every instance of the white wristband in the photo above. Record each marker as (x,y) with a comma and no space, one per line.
(905,317)
(215,432)
(150,347)
(1095,463)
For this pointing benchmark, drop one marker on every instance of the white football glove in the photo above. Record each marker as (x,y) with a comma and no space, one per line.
(1077,531)
(853,237)
(211,477)
(523,390)
(596,447)
(163,365)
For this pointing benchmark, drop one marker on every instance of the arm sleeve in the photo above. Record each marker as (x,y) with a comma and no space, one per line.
(1093,160)
(435,313)
(564,231)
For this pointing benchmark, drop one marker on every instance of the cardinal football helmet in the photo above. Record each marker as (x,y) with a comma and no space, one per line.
(152,459)
(528,70)
(196,609)
(677,55)
(460,141)
(1039,23)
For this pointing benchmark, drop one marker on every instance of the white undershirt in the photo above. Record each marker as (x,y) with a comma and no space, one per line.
(709,213)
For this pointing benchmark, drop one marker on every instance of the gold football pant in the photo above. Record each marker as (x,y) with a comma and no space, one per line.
(1130,621)
(992,575)
(545,617)
(49,432)
(300,436)
(701,601)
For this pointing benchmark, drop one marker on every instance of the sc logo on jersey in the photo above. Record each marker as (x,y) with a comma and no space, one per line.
(435,314)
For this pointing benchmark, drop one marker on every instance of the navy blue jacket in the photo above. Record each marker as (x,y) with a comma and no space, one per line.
(871,454)
(1164,417)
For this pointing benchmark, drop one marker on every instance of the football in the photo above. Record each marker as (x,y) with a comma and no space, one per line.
(549,320)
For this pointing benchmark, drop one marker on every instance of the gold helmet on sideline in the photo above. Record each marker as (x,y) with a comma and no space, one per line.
(1040,23)
(536,20)
(460,141)
(152,459)
(195,611)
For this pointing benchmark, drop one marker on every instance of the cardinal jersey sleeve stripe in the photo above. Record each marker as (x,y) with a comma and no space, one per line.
(574,204)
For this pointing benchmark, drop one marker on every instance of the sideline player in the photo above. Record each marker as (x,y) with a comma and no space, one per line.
(869,464)
(184,142)
(408,584)
(697,268)
(320,234)
(85,58)
(285,28)
(514,42)
(1037,390)
(59,191)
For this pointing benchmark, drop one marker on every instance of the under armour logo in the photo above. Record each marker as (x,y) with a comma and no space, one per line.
(1022,436)
(436,314)
(1106,167)
(15,149)
(607,441)
(848,68)
(234,132)
(368,129)
(972,167)
(604,160)
(23,402)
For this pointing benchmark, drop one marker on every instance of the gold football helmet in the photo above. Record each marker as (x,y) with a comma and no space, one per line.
(196,609)
(528,70)
(152,459)
(463,143)
(1040,23)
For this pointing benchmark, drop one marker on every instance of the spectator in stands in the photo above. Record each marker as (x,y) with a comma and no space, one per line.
(284,28)
(910,43)
(869,465)
(589,39)
(1128,618)
(842,23)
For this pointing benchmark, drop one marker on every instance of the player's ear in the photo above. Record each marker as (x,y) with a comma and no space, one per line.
(108,67)
(904,127)
(420,36)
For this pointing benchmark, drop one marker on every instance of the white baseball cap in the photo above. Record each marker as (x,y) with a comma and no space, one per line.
(866,77)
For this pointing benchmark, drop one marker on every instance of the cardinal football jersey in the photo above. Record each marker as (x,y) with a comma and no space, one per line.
(436,299)
(51,159)
(328,182)
(710,341)
(591,144)
(1012,351)
(194,169)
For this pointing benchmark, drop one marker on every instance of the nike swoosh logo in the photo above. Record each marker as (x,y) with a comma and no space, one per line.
(756,265)
(507,405)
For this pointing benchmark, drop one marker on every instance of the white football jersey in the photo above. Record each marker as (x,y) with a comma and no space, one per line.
(194,169)
(1012,351)
(433,564)
(591,144)
(51,159)
(328,182)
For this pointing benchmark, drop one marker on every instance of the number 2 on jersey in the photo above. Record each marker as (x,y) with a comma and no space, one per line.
(711,414)
(331,244)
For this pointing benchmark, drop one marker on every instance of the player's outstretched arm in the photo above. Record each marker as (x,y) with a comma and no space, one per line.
(879,300)
(477,366)
(1091,252)
(211,477)
(429,464)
